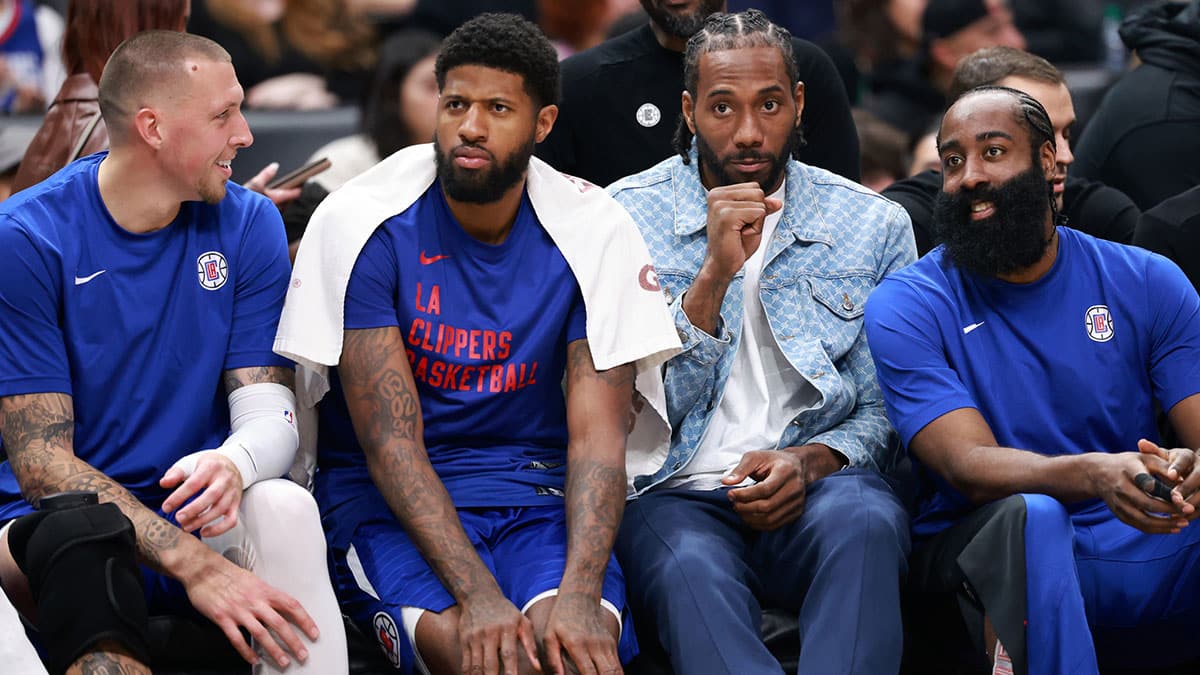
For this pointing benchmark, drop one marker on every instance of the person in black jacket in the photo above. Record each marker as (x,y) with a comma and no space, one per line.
(1144,139)
(1088,206)
(1173,229)
(621,101)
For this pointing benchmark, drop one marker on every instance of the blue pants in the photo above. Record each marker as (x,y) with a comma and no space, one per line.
(698,573)
(1101,591)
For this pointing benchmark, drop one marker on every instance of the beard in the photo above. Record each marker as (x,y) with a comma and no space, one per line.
(482,186)
(212,193)
(681,26)
(1011,239)
(716,165)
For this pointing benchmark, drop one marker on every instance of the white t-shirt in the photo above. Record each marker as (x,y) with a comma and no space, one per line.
(763,394)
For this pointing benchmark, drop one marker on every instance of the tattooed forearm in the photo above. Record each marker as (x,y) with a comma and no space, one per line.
(598,405)
(38,433)
(108,659)
(386,411)
(237,378)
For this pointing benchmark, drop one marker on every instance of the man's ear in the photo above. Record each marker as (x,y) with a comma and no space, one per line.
(1048,159)
(689,112)
(147,127)
(546,118)
(799,95)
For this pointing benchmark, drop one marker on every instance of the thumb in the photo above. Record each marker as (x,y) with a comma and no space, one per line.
(174,476)
(773,204)
(743,470)
(260,180)
(1146,447)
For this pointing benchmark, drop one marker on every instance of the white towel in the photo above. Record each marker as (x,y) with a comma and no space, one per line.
(627,317)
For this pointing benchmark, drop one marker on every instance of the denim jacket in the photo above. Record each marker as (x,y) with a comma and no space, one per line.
(834,242)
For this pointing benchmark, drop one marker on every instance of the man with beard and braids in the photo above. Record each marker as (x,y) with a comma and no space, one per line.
(1022,364)
(620,100)
(470,507)
(770,493)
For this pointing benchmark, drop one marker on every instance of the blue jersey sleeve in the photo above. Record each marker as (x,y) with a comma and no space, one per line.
(917,381)
(33,357)
(371,294)
(262,272)
(1175,343)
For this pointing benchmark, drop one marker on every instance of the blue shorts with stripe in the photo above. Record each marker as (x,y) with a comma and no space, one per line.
(380,571)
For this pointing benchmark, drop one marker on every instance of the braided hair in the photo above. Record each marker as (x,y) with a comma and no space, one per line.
(723,32)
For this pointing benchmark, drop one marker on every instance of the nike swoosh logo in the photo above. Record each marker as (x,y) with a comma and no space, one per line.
(427,260)
(79,281)
(968,329)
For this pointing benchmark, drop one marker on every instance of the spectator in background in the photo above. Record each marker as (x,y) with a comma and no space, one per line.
(1173,229)
(1062,31)
(72,127)
(1091,207)
(291,54)
(910,94)
(1145,137)
(400,109)
(884,151)
(874,34)
(923,152)
(30,64)
(621,100)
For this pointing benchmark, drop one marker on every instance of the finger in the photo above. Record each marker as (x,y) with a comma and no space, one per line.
(581,657)
(294,612)
(767,487)
(262,638)
(259,182)
(282,196)
(1136,508)
(525,635)
(283,631)
(508,652)
(743,470)
(230,629)
(553,651)
(184,492)
(174,476)
(1183,462)
(1154,487)
(773,204)
(491,655)
(223,516)
(1146,447)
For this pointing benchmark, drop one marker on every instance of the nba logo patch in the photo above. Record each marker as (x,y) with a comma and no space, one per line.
(1099,323)
(212,270)
(388,636)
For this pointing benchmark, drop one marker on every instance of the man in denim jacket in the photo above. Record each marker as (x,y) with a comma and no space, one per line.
(770,492)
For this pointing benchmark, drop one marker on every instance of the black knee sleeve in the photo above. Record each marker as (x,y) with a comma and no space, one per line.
(82,567)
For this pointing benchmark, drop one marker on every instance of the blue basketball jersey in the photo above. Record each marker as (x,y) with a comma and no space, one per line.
(486,329)
(137,328)
(1071,363)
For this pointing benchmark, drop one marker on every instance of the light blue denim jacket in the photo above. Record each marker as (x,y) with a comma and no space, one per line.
(834,242)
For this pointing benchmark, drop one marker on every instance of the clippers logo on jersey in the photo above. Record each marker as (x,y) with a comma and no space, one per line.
(1099,323)
(212,270)
(648,115)
(648,279)
(388,636)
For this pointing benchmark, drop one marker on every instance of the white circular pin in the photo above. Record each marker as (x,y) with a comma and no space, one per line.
(648,115)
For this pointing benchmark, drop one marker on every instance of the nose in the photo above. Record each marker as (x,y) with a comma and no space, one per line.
(473,128)
(1063,155)
(748,133)
(242,137)
(973,175)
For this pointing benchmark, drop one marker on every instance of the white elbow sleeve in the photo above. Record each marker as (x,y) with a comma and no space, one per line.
(263,437)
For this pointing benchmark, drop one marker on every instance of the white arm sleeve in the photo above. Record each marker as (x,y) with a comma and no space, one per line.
(263,437)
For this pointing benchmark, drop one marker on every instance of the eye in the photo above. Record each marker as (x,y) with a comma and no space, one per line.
(993,151)
(499,107)
(771,105)
(721,108)
(1066,134)
(453,104)
(951,161)
(224,114)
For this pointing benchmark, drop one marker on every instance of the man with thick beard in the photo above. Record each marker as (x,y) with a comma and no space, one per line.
(1022,364)
(620,101)
(469,505)
(770,494)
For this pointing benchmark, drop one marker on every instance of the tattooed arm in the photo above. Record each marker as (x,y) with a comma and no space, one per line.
(38,432)
(382,398)
(598,408)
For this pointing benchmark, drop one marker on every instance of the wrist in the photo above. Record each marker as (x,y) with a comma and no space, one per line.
(818,460)
(190,561)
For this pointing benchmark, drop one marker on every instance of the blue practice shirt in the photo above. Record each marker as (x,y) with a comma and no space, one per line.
(136,328)
(486,329)
(1071,363)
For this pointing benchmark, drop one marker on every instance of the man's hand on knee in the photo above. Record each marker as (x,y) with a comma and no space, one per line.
(491,630)
(577,630)
(234,598)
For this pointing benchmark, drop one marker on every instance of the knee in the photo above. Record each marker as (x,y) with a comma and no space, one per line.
(279,503)
(862,515)
(1043,510)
